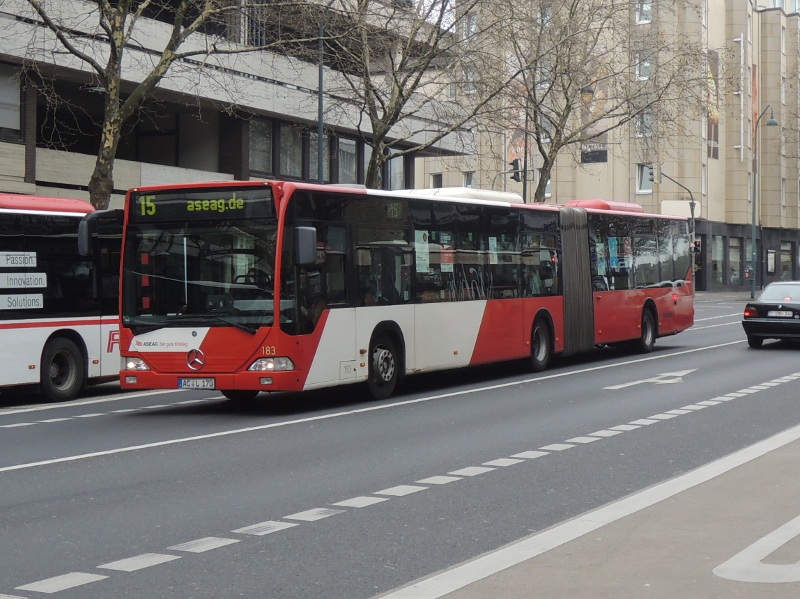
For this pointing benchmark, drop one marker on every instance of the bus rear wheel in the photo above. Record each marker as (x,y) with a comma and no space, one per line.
(541,350)
(383,366)
(62,370)
(240,395)
(648,338)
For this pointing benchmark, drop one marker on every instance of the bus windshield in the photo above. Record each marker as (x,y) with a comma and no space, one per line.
(215,269)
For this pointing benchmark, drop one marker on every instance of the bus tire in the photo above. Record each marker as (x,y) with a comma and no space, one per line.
(63,370)
(648,337)
(541,347)
(383,368)
(240,395)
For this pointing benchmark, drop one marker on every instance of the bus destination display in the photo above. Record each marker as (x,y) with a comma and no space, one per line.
(205,204)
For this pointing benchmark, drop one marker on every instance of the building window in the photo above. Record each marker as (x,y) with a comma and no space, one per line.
(436,180)
(313,157)
(397,173)
(469,179)
(644,172)
(348,160)
(452,91)
(470,25)
(717,258)
(291,151)
(644,123)
(644,67)
(735,261)
(644,12)
(704,179)
(260,146)
(469,81)
(10,104)
(787,266)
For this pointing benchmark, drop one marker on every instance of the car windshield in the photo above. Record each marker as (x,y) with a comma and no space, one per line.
(781,293)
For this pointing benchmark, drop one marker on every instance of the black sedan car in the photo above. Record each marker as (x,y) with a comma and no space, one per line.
(775,314)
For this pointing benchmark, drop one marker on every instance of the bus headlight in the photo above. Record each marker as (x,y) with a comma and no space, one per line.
(272,364)
(135,364)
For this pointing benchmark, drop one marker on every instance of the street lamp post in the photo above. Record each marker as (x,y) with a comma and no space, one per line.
(771,122)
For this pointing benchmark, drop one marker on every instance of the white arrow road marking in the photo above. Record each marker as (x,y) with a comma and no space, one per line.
(748,566)
(664,378)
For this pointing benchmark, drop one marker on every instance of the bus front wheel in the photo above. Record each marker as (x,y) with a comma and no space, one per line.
(62,370)
(240,395)
(541,349)
(383,365)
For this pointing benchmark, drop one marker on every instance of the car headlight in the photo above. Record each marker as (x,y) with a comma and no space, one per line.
(272,364)
(135,364)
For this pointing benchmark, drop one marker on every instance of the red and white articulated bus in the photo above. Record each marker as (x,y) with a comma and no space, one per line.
(59,325)
(258,286)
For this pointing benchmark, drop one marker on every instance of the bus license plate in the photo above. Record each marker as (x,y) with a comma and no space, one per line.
(780,313)
(197,384)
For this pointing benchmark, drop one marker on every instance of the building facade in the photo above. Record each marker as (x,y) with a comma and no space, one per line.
(735,166)
(248,116)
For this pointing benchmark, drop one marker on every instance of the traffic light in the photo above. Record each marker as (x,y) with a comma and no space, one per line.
(515,166)
(652,175)
(696,248)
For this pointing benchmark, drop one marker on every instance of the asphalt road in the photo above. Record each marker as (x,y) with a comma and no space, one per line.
(183,494)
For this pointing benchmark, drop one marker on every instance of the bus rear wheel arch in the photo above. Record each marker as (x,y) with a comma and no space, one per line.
(541,344)
(62,370)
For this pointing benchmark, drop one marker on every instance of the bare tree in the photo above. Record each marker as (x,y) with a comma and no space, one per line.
(107,37)
(589,67)
(401,63)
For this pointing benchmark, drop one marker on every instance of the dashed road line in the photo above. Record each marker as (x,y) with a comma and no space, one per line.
(265,528)
(202,545)
(313,515)
(139,562)
(61,583)
(401,490)
(362,501)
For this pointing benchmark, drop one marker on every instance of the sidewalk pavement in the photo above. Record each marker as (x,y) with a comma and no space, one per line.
(728,529)
(723,296)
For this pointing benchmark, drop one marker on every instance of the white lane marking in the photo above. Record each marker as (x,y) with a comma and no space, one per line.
(556,447)
(61,583)
(659,379)
(2,596)
(93,415)
(583,440)
(263,427)
(503,462)
(438,480)
(203,545)
(314,514)
(17,425)
(139,562)
(265,528)
(516,553)
(748,566)
(708,402)
(679,412)
(87,402)
(694,407)
(54,420)
(644,421)
(624,427)
(530,455)
(662,416)
(359,502)
(605,433)
(471,471)
(401,490)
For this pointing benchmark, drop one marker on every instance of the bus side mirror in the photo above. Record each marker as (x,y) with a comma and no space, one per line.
(110,220)
(87,230)
(305,246)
